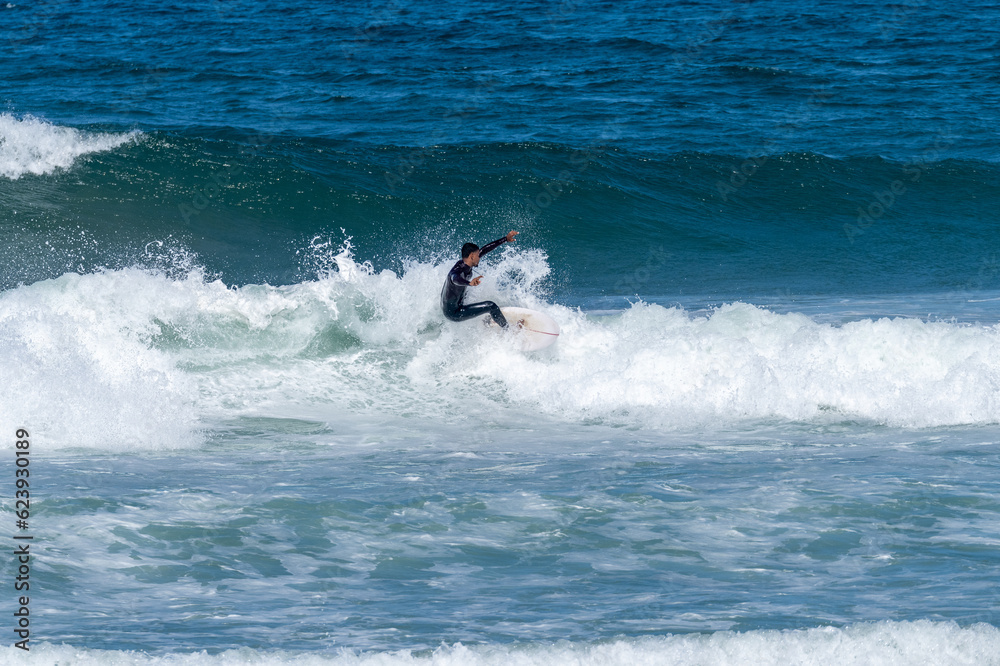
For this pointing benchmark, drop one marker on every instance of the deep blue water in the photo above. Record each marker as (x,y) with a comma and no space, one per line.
(767,229)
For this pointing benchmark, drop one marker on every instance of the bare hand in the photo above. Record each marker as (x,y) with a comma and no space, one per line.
(476,280)
(510,236)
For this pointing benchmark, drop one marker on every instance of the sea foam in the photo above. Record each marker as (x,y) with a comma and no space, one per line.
(873,644)
(30,145)
(144,357)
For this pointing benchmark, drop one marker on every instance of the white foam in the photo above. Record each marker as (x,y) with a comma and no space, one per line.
(30,145)
(659,367)
(78,369)
(147,358)
(873,644)
(665,367)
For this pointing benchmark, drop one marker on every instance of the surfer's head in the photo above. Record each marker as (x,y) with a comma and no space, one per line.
(470,254)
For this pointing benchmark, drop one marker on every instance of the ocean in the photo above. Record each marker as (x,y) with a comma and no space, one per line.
(768,432)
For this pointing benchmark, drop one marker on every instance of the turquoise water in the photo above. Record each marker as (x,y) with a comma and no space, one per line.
(767,433)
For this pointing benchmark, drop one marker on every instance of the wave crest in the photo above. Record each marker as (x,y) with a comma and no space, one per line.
(30,145)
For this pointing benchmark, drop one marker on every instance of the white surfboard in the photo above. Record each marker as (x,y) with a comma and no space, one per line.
(536,331)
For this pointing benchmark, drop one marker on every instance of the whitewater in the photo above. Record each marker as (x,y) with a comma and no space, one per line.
(882,644)
(160,356)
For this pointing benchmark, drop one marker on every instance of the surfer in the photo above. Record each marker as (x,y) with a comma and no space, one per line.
(453,293)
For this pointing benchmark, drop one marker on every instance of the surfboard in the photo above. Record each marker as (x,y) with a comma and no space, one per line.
(537,330)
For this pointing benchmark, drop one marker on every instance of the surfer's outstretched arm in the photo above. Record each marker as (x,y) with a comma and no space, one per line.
(509,238)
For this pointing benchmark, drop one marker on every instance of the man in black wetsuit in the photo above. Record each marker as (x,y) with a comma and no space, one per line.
(453,293)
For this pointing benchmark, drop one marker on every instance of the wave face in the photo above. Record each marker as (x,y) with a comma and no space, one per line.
(615,223)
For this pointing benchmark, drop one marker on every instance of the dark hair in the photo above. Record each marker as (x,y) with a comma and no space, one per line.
(468,249)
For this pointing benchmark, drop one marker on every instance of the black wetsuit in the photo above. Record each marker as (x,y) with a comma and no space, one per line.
(453,292)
